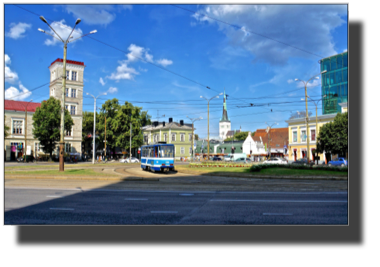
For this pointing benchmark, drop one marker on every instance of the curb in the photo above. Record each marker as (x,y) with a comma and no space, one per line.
(241,175)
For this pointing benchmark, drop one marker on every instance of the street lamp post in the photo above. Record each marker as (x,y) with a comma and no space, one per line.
(192,136)
(208,122)
(307,115)
(316,119)
(26,127)
(61,141)
(268,131)
(93,136)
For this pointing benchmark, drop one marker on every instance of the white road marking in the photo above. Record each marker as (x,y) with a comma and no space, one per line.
(135,199)
(61,209)
(276,214)
(163,211)
(55,196)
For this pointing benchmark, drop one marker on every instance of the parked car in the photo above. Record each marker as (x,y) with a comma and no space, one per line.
(216,159)
(302,161)
(338,162)
(276,161)
(133,160)
(241,160)
(123,160)
(227,158)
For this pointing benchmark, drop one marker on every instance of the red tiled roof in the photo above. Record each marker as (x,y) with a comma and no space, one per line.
(20,105)
(279,136)
(68,62)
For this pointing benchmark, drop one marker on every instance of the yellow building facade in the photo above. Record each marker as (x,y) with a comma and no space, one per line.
(297,147)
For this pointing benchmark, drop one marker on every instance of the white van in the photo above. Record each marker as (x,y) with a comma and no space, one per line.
(237,156)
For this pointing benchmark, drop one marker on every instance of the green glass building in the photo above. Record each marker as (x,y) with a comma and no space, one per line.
(334,82)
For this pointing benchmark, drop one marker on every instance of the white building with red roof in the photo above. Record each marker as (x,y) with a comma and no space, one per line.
(15,112)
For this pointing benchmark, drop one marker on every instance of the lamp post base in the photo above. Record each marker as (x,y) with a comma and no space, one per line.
(61,156)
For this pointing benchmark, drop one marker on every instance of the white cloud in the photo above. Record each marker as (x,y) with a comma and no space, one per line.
(290,81)
(17,30)
(101,81)
(63,31)
(17,94)
(123,72)
(164,62)
(284,23)
(10,76)
(92,14)
(136,53)
(148,57)
(112,90)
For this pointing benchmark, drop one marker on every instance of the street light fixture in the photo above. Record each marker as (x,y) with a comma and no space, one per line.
(61,141)
(208,122)
(93,136)
(307,115)
(268,131)
(192,135)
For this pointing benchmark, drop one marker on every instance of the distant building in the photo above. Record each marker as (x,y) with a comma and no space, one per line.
(334,82)
(179,134)
(279,141)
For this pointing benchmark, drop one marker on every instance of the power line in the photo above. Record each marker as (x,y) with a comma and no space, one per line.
(239,27)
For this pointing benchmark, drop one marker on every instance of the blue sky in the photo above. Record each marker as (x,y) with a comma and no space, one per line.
(251,51)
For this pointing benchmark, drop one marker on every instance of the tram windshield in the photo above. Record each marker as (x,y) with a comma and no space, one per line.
(167,151)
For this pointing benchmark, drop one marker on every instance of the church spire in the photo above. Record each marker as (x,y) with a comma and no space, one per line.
(225,116)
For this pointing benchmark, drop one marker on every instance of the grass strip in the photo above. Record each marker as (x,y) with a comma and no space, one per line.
(75,172)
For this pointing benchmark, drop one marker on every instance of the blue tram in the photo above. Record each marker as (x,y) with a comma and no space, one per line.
(158,157)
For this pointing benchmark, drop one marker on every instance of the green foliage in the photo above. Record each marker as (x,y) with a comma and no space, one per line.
(196,137)
(239,136)
(6,128)
(118,119)
(87,124)
(47,124)
(333,136)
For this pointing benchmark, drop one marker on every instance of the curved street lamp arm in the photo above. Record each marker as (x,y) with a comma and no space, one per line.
(92,32)
(55,32)
(50,34)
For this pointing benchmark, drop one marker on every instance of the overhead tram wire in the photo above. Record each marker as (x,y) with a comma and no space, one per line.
(240,27)
(125,52)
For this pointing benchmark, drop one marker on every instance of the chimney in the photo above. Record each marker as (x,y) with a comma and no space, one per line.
(170,120)
(181,122)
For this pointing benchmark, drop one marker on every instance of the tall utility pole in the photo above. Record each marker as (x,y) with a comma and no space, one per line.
(93,136)
(61,141)
(130,143)
(26,126)
(192,136)
(307,115)
(208,122)
(268,131)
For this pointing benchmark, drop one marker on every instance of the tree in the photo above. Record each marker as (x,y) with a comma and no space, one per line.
(333,136)
(87,128)
(6,128)
(47,124)
(241,136)
(119,118)
(196,137)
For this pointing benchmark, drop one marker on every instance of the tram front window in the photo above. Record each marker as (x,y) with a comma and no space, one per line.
(167,151)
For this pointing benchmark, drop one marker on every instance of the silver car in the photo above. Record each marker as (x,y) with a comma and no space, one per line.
(275,161)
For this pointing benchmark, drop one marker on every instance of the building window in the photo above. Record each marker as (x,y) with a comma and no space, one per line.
(145,138)
(67,147)
(190,151)
(73,92)
(68,133)
(17,127)
(165,137)
(74,76)
(182,150)
(294,136)
(67,92)
(312,135)
(182,137)
(67,107)
(303,136)
(222,126)
(67,75)
(190,137)
(72,110)
(173,137)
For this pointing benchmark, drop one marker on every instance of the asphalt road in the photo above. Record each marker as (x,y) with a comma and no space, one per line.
(109,206)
